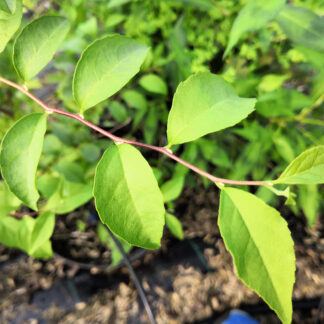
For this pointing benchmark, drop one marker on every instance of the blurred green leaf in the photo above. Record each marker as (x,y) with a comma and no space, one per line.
(255,15)
(8,201)
(282,103)
(72,171)
(172,188)
(8,6)
(68,196)
(42,231)
(29,234)
(302,26)
(153,83)
(118,111)
(309,198)
(174,226)
(90,152)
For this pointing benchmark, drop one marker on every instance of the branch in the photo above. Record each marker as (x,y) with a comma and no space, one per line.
(117,139)
(22,215)
(134,277)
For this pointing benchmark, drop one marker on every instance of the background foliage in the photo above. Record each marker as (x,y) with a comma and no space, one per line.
(275,59)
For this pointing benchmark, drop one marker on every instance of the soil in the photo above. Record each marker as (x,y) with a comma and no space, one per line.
(189,281)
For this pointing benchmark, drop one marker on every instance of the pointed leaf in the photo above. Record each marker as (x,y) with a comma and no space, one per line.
(200,4)
(153,83)
(307,168)
(37,43)
(203,104)
(8,231)
(8,6)
(44,251)
(42,231)
(262,248)
(172,188)
(68,196)
(128,198)
(19,156)
(8,26)
(255,15)
(105,67)
(8,201)
(19,234)
(302,26)
(309,199)
(174,225)
(16,233)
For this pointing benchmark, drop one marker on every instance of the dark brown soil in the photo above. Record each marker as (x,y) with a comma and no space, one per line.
(192,281)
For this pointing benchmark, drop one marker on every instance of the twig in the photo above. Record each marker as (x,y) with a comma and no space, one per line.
(120,126)
(22,215)
(134,277)
(117,139)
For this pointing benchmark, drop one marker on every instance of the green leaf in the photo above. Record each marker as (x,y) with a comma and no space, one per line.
(68,197)
(150,126)
(8,230)
(72,171)
(174,225)
(90,152)
(307,168)
(116,3)
(262,248)
(118,111)
(8,6)
(153,83)
(37,43)
(200,4)
(283,102)
(28,234)
(135,99)
(47,184)
(302,26)
(19,156)
(8,201)
(287,193)
(42,231)
(45,251)
(272,82)
(52,145)
(213,153)
(128,198)
(10,25)
(105,67)
(309,200)
(283,147)
(203,104)
(172,189)
(16,233)
(255,15)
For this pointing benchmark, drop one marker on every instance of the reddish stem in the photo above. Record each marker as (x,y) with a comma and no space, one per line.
(22,215)
(117,139)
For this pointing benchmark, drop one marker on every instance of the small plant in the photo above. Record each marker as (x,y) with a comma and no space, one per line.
(127,195)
